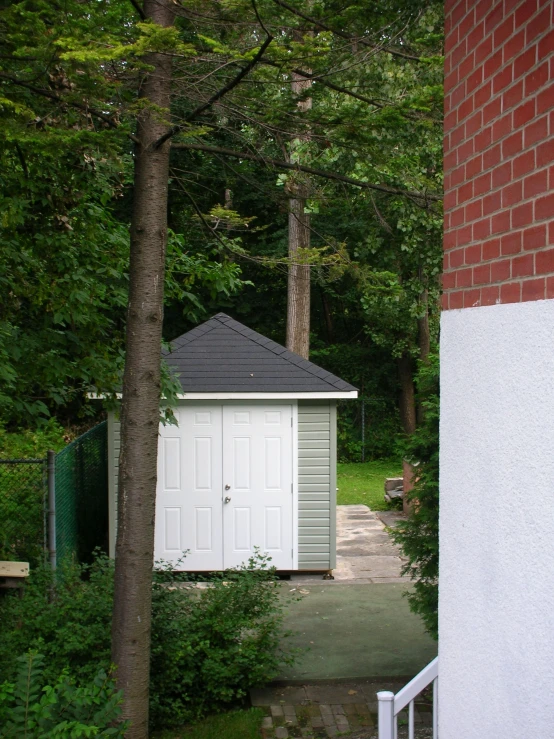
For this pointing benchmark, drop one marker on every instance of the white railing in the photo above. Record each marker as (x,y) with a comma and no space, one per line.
(390,704)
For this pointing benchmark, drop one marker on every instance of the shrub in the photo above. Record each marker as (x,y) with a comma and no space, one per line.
(418,536)
(209,646)
(30,709)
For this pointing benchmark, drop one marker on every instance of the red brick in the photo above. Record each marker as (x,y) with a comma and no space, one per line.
(450,200)
(546,44)
(502,127)
(473,167)
(464,277)
(533,289)
(544,99)
(483,139)
(524,113)
(467,23)
(494,17)
(492,111)
(545,152)
(512,194)
(465,151)
(465,192)
(536,131)
(512,145)
(524,62)
(549,287)
(537,26)
(463,235)
(491,202)
(513,96)
(522,215)
(510,292)
(456,135)
(473,211)
(456,299)
(474,80)
(502,174)
(448,280)
(491,249)
(445,302)
(535,184)
(456,258)
(476,35)
(551,232)
(534,237)
(482,274)
(510,243)
(514,46)
(545,262)
(457,176)
(544,207)
(481,229)
(490,295)
(526,10)
(493,64)
(450,160)
(465,110)
(492,157)
(536,79)
(523,266)
(500,223)
(504,31)
(473,254)
(501,271)
(457,217)
(502,79)
(524,163)
(481,9)
(483,94)
(467,66)
(472,298)
(473,124)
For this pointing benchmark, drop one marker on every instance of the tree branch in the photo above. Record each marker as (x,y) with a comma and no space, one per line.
(71,103)
(218,95)
(139,10)
(343,35)
(421,196)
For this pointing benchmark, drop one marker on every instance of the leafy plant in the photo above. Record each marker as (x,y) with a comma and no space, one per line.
(209,646)
(30,709)
(418,536)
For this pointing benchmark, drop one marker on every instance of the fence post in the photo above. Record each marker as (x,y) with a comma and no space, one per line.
(51,457)
(386,714)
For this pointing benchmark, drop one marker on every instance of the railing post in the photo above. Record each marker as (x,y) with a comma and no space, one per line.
(386,714)
(51,457)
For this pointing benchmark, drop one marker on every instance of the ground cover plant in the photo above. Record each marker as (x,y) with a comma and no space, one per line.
(209,646)
(364,483)
(242,724)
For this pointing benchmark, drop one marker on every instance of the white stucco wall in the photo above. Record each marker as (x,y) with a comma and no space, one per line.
(496,603)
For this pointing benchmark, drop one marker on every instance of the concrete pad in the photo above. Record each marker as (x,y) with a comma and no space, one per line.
(355,631)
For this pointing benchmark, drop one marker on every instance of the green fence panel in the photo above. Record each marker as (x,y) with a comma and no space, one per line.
(82,496)
(22,510)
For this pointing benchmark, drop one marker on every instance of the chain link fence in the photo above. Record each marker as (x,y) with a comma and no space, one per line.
(78,481)
(23,503)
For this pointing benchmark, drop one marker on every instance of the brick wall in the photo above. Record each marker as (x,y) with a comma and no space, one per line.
(499,152)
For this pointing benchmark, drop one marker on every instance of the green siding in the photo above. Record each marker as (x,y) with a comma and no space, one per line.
(114,443)
(315,494)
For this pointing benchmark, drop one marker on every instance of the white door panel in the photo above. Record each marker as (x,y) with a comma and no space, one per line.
(188,499)
(257,480)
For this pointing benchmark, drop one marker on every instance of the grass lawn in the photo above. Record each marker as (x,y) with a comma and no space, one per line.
(364,483)
(234,725)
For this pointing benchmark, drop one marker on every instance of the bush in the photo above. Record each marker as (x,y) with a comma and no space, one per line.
(30,709)
(209,646)
(418,536)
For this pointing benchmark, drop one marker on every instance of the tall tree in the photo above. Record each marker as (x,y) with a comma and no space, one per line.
(140,412)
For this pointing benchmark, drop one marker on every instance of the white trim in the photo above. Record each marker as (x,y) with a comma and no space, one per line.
(338,394)
(295,503)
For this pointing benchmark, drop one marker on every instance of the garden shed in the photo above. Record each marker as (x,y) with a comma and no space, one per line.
(251,462)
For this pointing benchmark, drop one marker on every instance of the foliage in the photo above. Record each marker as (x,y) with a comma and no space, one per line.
(209,646)
(418,536)
(31,709)
(243,724)
(33,443)
(364,483)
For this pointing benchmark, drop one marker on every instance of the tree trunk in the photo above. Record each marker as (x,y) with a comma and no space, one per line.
(141,393)
(407,394)
(298,297)
(328,318)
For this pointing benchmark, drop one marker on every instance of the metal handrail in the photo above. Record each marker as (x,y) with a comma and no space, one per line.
(390,704)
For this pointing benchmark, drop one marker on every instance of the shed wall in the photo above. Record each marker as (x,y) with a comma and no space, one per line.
(316,483)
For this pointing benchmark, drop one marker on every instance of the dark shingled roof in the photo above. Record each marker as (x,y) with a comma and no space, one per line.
(224,356)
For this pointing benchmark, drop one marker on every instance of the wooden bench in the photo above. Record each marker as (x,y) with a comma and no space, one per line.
(13,574)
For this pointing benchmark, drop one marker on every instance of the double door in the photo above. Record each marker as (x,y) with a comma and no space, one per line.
(225,486)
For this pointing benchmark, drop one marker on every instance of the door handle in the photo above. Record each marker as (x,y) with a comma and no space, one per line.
(227,499)
(227,487)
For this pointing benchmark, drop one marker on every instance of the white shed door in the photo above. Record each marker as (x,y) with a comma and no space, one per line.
(188,499)
(257,482)
(225,486)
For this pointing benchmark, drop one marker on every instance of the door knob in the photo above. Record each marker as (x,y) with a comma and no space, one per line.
(227,499)
(227,487)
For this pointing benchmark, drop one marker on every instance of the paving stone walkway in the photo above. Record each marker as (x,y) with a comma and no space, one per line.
(323,711)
